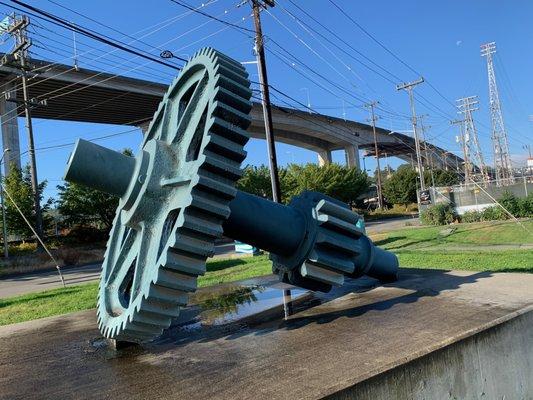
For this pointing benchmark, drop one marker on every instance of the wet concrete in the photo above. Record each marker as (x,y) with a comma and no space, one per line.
(234,342)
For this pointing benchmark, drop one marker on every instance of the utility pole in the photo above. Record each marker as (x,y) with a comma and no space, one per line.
(466,154)
(409,88)
(20,52)
(257,5)
(500,143)
(427,152)
(372,120)
(466,106)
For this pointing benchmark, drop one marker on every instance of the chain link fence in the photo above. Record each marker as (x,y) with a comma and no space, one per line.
(478,196)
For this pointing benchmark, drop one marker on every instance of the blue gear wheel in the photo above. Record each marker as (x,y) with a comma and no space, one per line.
(184,179)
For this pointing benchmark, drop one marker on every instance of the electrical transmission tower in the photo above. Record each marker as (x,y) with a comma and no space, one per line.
(500,144)
(470,141)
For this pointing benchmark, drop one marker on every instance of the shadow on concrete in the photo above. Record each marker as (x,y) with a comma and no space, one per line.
(428,283)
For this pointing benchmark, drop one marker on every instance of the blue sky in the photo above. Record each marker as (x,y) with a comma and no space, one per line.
(438,40)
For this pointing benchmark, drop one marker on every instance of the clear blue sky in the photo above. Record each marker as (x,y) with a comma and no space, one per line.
(439,40)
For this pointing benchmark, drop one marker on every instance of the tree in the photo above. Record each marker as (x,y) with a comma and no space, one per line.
(256,180)
(442,177)
(343,183)
(18,186)
(340,182)
(83,206)
(400,187)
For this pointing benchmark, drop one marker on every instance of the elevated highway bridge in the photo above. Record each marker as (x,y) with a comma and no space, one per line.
(94,96)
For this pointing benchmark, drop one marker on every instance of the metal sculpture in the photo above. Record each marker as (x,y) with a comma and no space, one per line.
(178,195)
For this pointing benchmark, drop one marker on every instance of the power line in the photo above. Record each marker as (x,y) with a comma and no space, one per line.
(91,34)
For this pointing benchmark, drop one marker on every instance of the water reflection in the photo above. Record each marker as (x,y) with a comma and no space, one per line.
(226,302)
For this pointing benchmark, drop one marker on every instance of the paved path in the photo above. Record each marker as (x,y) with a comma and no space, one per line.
(390,224)
(39,281)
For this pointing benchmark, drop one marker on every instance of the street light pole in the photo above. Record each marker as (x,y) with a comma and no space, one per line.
(4,225)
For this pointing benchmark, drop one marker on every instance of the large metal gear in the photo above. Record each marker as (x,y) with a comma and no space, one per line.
(177,196)
(174,196)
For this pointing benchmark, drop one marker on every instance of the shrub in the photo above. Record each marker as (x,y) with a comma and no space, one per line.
(525,206)
(69,256)
(472,216)
(439,214)
(511,203)
(494,213)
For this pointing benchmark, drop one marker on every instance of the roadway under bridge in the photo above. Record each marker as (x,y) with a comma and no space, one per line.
(92,96)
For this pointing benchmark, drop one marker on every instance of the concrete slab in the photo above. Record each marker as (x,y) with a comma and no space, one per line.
(331,345)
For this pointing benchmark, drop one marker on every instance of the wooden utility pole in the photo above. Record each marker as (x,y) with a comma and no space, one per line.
(22,43)
(373,119)
(257,5)
(409,88)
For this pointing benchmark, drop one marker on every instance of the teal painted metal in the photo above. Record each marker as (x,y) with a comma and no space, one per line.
(178,195)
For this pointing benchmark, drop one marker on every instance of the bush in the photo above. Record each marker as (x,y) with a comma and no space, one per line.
(439,214)
(525,206)
(494,213)
(511,203)
(69,256)
(472,216)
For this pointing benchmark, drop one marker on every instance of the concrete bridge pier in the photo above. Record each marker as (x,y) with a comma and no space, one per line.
(324,157)
(10,126)
(352,156)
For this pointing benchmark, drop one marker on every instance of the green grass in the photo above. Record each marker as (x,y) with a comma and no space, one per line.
(497,261)
(465,235)
(83,297)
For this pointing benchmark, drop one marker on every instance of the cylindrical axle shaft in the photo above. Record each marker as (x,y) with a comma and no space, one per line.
(286,231)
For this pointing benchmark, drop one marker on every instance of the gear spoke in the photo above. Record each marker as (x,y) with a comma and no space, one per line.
(189,117)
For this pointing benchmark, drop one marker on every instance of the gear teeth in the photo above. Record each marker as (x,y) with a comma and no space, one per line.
(336,241)
(211,206)
(192,245)
(158,308)
(336,244)
(173,280)
(229,131)
(310,270)
(222,166)
(233,100)
(231,73)
(183,262)
(224,59)
(167,295)
(231,115)
(203,226)
(226,147)
(215,186)
(234,87)
(153,319)
(330,260)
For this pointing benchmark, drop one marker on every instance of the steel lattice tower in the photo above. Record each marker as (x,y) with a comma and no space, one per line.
(470,140)
(500,144)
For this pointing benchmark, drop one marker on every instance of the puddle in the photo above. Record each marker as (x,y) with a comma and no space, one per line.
(231,306)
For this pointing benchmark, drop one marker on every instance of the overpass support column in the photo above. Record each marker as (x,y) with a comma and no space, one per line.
(10,127)
(324,157)
(352,156)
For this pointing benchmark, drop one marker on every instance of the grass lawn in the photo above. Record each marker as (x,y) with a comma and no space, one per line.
(82,297)
(464,235)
